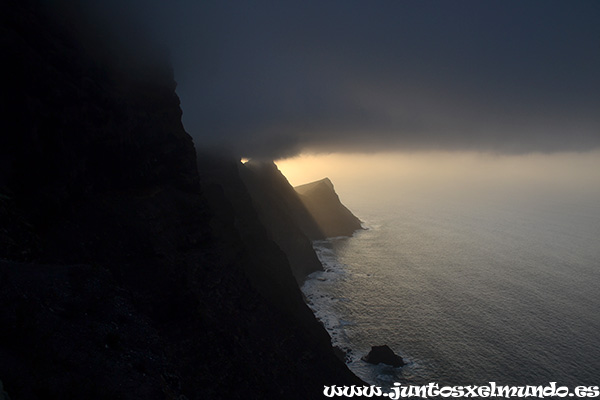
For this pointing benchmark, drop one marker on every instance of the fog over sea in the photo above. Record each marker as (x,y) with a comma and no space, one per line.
(470,282)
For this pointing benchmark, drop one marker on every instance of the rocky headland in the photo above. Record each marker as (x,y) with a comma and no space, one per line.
(323,203)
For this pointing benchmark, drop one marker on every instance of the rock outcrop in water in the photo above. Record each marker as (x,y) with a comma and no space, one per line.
(323,203)
(383,354)
(130,267)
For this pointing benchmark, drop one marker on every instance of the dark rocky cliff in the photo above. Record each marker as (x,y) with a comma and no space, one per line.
(128,269)
(296,216)
(287,220)
(323,203)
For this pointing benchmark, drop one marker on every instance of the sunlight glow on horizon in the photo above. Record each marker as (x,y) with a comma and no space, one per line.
(448,173)
(306,168)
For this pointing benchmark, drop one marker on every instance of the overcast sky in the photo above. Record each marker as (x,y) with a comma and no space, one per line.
(273,78)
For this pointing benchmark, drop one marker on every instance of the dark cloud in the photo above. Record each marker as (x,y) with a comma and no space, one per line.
(271,78)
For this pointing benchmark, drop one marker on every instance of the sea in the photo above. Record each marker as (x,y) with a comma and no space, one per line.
(468,288)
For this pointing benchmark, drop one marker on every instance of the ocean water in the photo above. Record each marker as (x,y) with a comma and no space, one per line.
(467,289)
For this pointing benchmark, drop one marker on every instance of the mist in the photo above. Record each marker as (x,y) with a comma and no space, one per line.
(270,79)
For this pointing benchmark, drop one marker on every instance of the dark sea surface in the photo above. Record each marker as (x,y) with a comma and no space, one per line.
(467,289)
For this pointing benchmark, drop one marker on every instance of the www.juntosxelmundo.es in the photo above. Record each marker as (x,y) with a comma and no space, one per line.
(433,390)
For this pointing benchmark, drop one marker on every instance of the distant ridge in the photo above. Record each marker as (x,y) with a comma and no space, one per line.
(303,189)
(323,203)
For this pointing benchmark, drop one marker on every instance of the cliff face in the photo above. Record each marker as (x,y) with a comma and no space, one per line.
(296,216)
(288,222)
(323,203)
(80,123)
(127,268)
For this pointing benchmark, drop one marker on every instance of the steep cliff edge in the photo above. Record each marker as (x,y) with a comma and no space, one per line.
(323,203)
(128,269)
(296,216)
(288,222)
